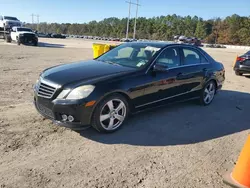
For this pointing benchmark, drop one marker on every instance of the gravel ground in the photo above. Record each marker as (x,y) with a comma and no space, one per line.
(182,145)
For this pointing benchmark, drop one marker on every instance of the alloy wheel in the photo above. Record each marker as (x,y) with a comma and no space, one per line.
(209,93)
(113,114)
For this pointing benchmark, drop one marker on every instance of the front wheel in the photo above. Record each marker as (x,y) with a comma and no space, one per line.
(110,114)
(208,93)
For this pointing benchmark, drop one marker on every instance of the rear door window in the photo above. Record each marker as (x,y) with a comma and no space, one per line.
(191,57)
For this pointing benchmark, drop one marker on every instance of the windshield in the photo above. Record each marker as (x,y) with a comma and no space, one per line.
(136,55)
(10,18)
(24,29)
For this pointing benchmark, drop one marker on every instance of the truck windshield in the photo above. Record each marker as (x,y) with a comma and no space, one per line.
(10,18)
(24,29)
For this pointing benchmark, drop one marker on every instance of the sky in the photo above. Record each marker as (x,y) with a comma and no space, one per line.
(81,11)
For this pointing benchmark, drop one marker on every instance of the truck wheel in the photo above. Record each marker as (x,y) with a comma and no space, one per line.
(18,42)
(35,43)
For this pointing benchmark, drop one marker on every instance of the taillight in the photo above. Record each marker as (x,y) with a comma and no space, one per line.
(240,59)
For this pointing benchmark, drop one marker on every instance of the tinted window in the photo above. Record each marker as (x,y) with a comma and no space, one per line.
(10,18)
(169,57)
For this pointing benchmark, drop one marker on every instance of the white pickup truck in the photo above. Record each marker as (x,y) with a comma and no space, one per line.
(7,22)
(23,35)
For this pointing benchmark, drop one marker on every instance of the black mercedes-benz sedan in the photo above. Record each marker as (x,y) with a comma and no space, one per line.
(242,64)
(127,79)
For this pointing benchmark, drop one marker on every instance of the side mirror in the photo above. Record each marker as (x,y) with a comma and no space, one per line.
(160,68)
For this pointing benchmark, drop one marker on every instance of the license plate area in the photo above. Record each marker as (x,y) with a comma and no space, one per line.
(44,110)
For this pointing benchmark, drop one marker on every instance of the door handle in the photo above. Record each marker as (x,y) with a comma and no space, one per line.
(179,75)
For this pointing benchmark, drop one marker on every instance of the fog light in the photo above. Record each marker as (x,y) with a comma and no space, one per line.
(64,117)
(70,118)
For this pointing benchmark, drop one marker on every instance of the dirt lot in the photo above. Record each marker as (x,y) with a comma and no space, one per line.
(184,145)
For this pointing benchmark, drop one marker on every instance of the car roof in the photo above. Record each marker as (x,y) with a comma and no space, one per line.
(162,44)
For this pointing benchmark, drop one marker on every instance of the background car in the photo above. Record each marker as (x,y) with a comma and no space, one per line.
(242,64)
(60,36)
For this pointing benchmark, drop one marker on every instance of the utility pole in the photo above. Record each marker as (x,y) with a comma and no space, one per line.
(37,25)
(32,16)
(137,5)
(129,2)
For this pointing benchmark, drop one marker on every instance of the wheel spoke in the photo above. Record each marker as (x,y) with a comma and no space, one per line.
(110,105)
(119,117)
(104,117)
(119,107)
(111,123)
(206,91)
(210,87)
(207,97)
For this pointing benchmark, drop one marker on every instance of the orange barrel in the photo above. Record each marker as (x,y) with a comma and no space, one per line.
(241,172)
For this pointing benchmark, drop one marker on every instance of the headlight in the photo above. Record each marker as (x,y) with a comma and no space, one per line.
(77,93)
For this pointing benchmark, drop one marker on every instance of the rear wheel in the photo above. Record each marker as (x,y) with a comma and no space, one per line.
(208,93)
(110,114)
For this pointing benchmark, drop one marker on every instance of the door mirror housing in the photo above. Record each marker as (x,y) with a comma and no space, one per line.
(160,68)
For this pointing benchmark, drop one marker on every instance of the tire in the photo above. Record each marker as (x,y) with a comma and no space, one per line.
(18,42)
(35,43)
(238,73)
(110,122)
(208,93)
(8,38)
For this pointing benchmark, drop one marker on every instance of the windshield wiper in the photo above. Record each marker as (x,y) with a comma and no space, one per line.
(112,63)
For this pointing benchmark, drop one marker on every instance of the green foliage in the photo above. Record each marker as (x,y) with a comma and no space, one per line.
(232,30)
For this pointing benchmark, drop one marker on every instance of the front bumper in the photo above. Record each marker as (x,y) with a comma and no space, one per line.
(54,109)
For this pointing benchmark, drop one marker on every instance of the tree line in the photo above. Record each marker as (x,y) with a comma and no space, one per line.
(233,29)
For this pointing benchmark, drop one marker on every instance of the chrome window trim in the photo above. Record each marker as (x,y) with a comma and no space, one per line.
(165,98)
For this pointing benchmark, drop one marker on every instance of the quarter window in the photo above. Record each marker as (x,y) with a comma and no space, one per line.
(169,57)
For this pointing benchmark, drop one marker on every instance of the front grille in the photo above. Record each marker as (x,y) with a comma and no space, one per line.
(30,35)
(45,90)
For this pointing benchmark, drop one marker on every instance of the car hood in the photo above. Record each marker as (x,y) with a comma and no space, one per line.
(84,71)
(25,32)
